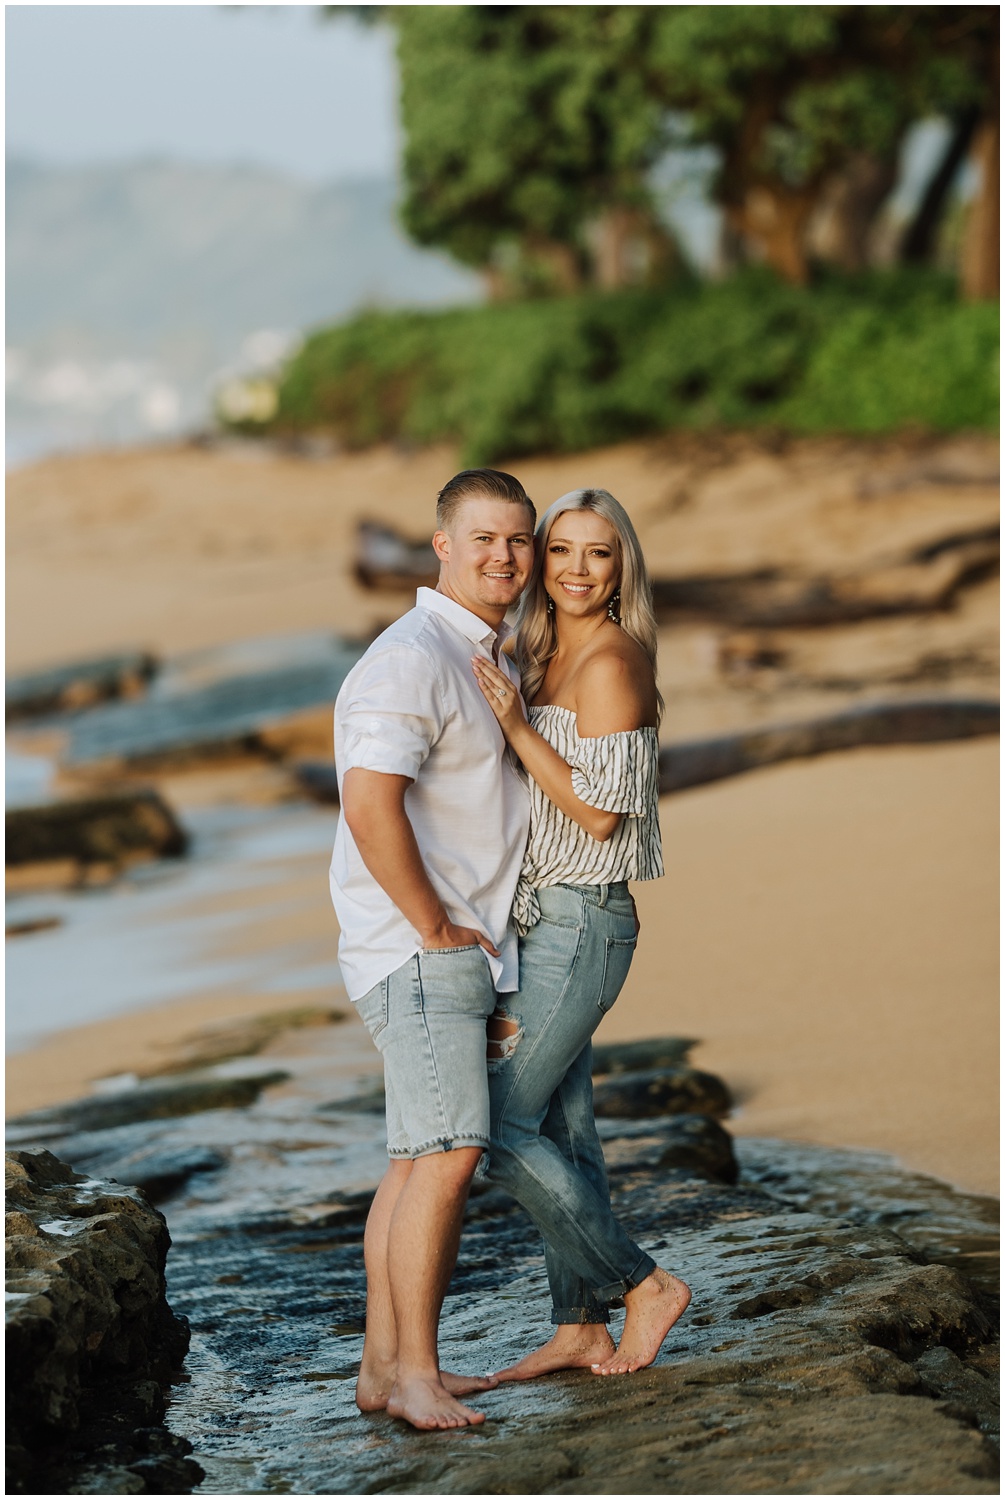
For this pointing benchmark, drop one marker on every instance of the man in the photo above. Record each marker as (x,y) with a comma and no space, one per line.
(429,846)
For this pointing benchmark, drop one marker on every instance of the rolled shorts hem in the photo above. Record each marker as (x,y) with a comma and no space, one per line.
(580,1315)
(617,1289)
(437,1144)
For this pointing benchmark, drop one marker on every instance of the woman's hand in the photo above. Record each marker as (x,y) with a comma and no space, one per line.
(501,696)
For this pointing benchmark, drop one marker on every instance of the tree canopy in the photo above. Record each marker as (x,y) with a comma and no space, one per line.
(530,131)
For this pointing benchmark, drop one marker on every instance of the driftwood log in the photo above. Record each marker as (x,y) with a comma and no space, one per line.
(921,582)
(95,830)
(695,762)
(912,722)
(387,560)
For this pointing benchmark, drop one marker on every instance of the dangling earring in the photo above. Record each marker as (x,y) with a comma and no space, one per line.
(614,606)
(550,605)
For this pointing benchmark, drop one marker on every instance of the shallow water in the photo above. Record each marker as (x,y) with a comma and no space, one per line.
(166,930)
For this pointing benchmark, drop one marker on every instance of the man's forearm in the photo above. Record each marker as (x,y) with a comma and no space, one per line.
(373,805)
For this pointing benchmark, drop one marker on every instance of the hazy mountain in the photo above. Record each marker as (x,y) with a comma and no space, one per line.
(130,288)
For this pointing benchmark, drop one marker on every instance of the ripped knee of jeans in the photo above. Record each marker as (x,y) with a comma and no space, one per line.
(504,1033)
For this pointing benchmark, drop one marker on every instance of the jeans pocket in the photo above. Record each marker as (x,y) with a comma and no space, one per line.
(372,1009)
(465,948)
(618,955)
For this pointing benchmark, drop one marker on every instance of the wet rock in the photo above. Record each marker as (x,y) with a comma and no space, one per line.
(632,1057)
(109,830)
(799,1395)
(160,1101)
(660,1091)
(694,1144)
(189,722)
(161,1173)
(86,1305)
(78,685)
(909,722)
(318,778)
(244,1037)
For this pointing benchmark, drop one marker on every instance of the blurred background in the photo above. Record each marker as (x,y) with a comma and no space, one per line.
(276,272)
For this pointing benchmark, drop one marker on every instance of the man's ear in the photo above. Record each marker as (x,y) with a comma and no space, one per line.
(441,545)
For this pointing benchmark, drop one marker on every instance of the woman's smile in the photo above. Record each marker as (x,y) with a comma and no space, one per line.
(582,561)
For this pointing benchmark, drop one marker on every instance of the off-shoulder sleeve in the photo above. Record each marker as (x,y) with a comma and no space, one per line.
(617,772)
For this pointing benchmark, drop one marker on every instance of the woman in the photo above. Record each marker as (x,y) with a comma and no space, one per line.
(586,646)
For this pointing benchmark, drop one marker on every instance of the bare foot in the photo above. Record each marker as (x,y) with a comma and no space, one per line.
(375,1383)
(428,1405)
(575,1346)
(651,1310)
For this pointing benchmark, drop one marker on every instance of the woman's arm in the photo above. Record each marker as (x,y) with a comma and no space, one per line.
(615,705)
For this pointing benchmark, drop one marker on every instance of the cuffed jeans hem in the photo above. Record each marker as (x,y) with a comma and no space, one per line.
(616,1289)
(580,1315)
(437,1144)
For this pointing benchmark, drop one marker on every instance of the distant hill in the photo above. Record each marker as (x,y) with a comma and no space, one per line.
(131,287)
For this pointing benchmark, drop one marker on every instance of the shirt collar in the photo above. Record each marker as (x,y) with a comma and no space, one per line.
(470,625)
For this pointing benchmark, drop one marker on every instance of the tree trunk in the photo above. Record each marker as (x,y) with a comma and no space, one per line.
(918,242)
(560,262)
(980,268)
(497,284)
(775,219)
(838,231)
(613,231)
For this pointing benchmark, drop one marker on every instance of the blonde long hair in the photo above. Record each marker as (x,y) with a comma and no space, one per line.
(536,635)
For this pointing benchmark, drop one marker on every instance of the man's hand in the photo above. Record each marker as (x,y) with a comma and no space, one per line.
(448,935)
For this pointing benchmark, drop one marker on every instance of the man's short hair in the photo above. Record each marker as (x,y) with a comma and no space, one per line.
(492,483)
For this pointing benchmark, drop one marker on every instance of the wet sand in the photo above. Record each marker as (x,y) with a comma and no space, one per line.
(826,929)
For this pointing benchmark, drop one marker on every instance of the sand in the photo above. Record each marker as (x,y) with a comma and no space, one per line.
(825,929)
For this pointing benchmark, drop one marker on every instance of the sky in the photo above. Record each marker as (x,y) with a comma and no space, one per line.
(270,85)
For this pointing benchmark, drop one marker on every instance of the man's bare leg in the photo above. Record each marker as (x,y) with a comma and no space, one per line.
(379,1364)
(651,1310)
(573,1346)
(424,1234)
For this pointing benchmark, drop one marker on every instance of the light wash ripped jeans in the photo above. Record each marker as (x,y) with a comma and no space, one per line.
(545,1149)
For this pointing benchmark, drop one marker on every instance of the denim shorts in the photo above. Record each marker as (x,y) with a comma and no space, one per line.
(427,1020)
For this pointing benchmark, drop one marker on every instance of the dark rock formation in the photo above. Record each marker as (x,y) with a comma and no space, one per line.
(318,779)
(78,684)
(86,1316)
(109,830)
(156,1101)
(633,1057)
(660,1091)
(243,1037)
(387,560)
(694,1144)
(911,722)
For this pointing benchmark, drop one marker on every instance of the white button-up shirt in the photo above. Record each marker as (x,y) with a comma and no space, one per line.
(411,707)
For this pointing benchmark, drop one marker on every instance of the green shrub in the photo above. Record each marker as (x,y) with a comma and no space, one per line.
(854,355)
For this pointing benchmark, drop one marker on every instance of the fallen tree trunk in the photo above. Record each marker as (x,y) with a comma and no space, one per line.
(913,722)
(387,560)
(928,579)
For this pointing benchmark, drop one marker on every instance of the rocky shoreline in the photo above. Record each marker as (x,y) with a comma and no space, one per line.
(833,1345)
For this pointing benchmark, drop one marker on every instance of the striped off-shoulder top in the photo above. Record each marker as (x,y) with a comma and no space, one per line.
(612,772)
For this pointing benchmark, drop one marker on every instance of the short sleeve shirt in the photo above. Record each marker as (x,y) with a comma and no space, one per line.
(412,707)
